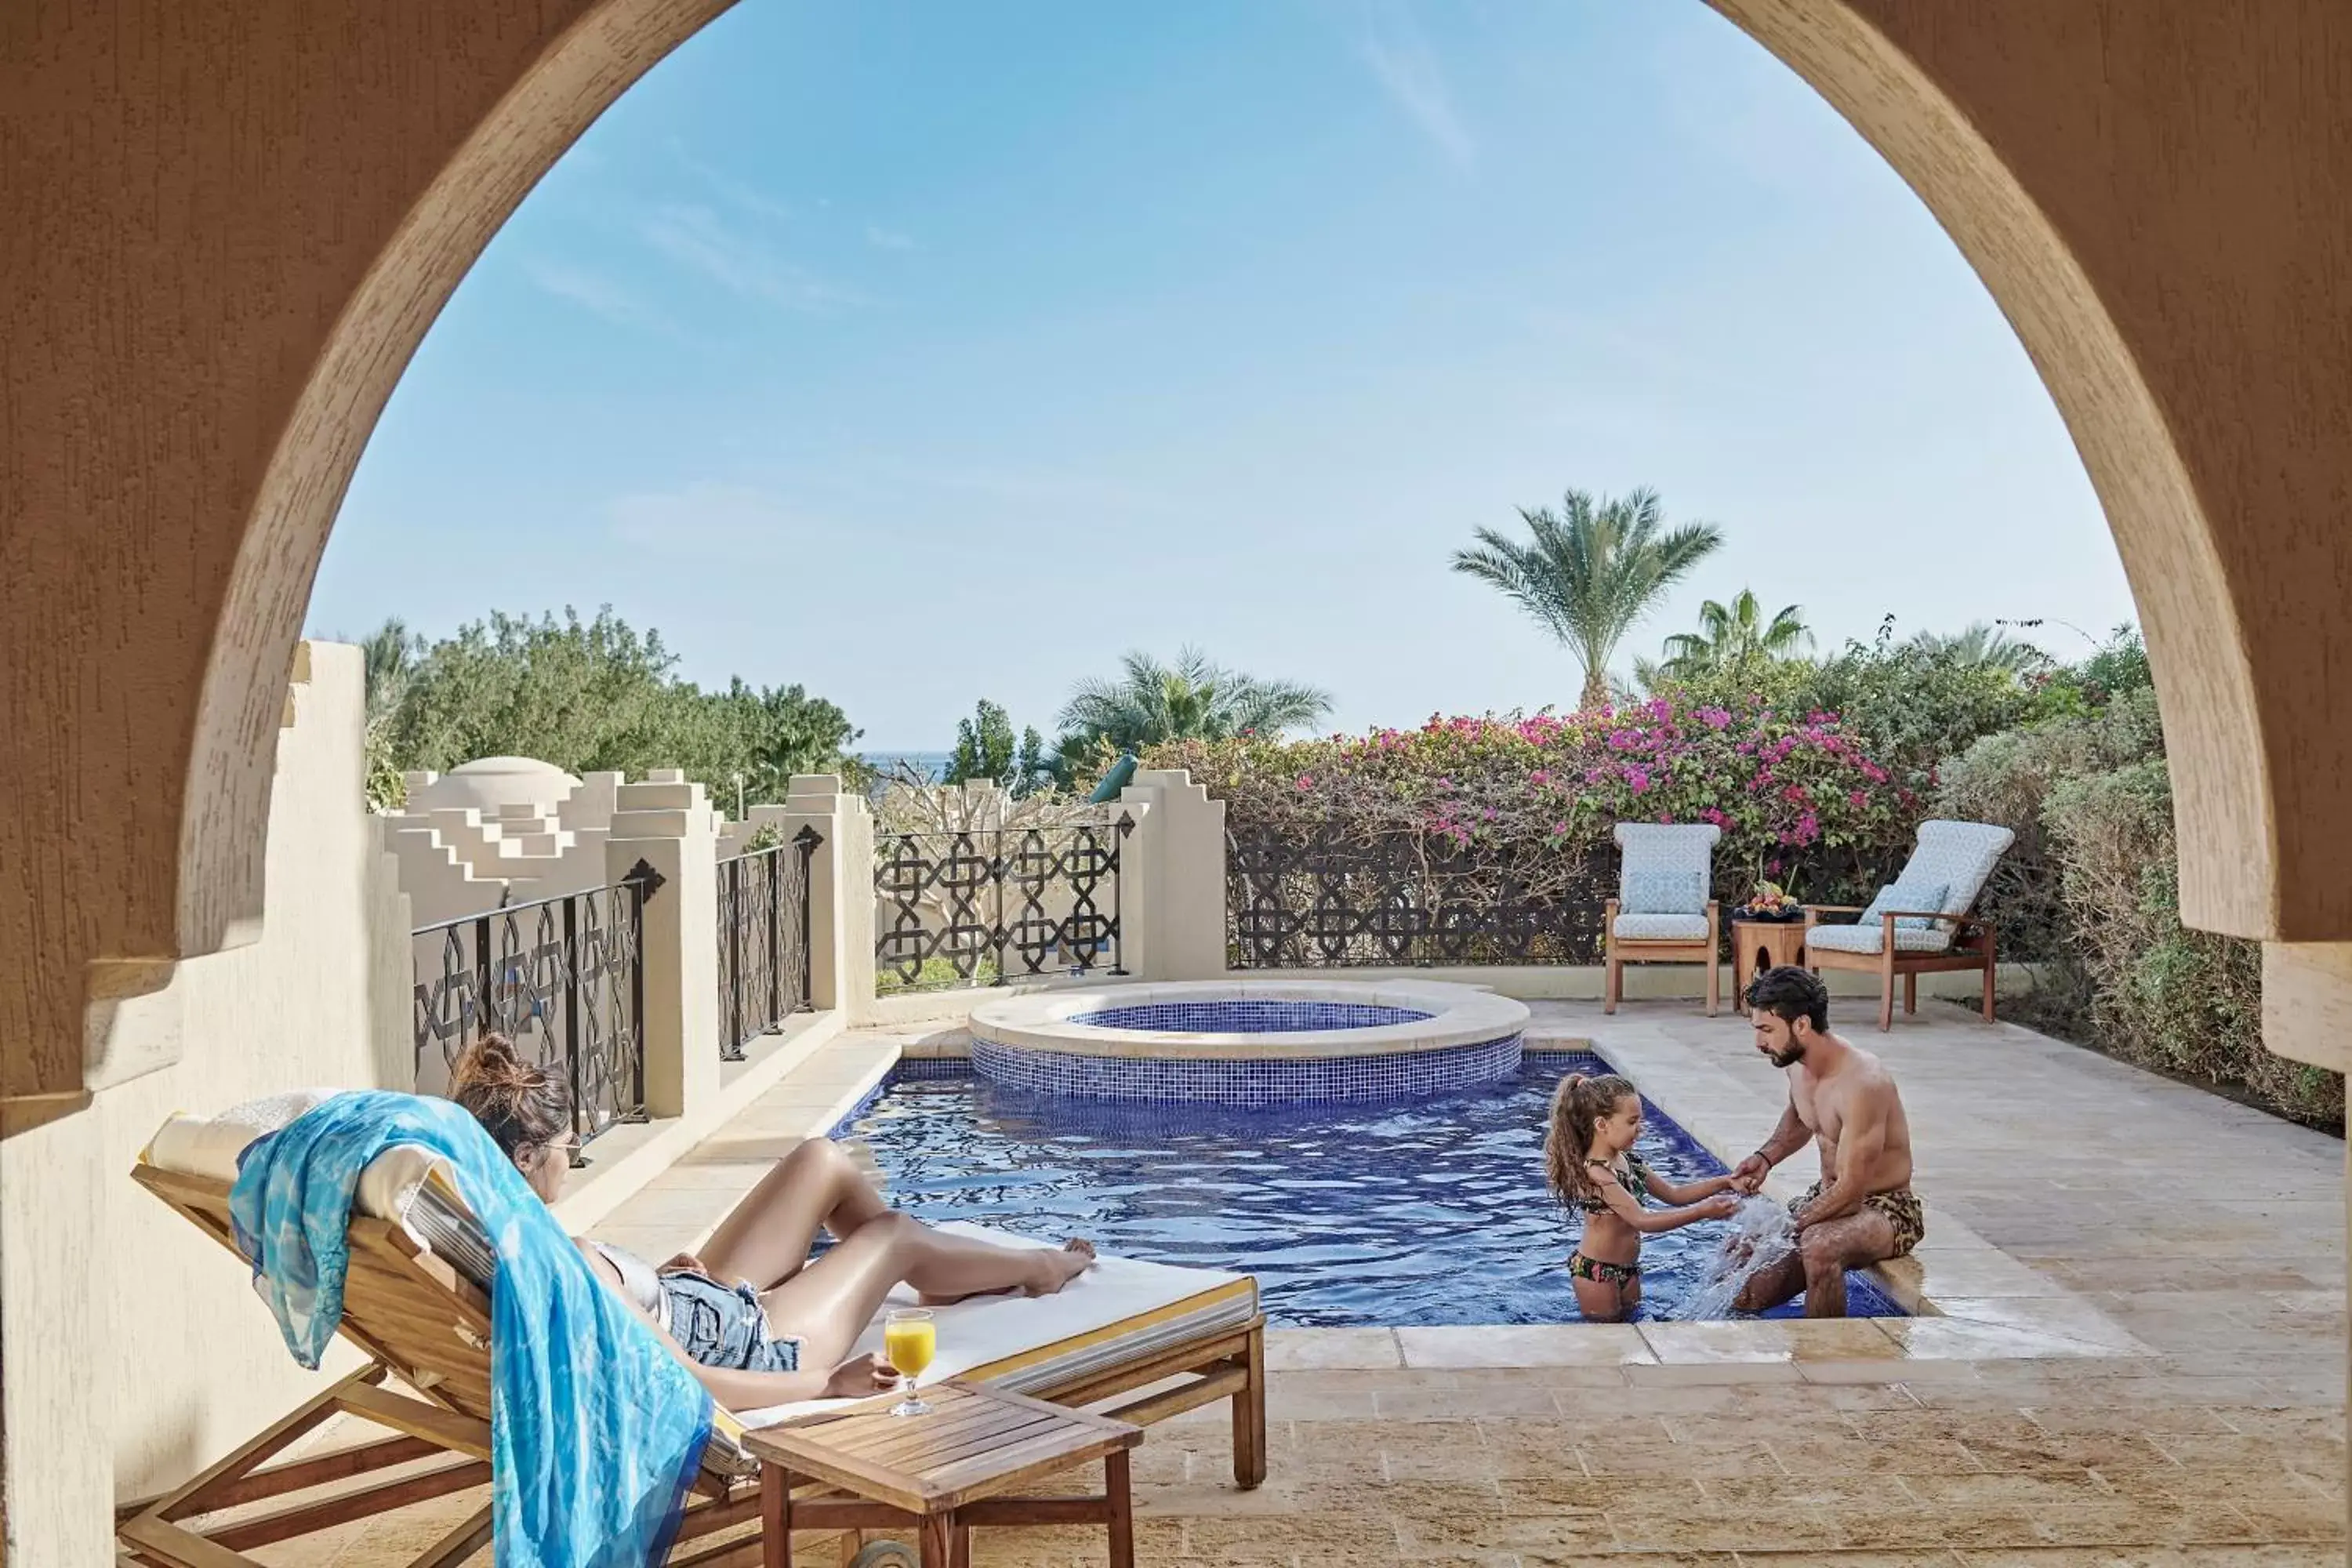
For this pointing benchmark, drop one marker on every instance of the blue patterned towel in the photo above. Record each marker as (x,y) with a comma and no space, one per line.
(595,1429)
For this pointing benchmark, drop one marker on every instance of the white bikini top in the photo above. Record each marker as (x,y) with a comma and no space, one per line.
(639,1283)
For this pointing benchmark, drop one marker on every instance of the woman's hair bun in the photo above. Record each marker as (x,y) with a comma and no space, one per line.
(490,1063)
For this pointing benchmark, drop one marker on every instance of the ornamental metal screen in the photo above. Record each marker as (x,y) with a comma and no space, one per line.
(563,978)
(764,940)
(987,905)
(1322,901)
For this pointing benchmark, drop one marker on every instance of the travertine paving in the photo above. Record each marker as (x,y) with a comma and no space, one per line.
(2142,1361)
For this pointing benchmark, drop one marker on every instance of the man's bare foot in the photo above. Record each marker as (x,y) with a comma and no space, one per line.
(1075,1257)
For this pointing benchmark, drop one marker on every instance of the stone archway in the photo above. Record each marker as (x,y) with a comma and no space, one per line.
(228,227)
(212,316)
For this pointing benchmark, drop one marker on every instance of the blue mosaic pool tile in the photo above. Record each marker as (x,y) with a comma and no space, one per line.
(1258,1016)
(920,1068)
(1263,1082)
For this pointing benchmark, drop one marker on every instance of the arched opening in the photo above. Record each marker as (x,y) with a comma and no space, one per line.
(2133,238)
(211,313)
(1857,55)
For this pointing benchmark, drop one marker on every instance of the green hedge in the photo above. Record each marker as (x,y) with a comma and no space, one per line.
(2183,1001)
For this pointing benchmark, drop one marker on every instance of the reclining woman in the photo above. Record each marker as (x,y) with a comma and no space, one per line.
(753,1311)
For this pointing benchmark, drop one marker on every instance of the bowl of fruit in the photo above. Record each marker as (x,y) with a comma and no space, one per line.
(1771,902)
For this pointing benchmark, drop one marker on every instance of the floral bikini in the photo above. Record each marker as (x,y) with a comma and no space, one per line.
(1635,1179)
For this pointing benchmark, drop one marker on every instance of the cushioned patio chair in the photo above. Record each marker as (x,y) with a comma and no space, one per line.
(1922,922)
(1662,913)
(417,1301)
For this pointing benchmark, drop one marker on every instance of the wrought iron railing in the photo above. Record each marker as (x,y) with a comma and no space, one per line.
(764,940)
(1320,901)
(562,978)
(987,905)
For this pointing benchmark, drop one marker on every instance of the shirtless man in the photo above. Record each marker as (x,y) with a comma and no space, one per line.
(1861,1210)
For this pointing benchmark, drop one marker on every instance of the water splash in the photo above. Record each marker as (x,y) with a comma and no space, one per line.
(1762,1233)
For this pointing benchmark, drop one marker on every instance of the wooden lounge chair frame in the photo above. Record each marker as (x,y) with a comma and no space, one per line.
(1617,952)
(427,1328)
(1974,945)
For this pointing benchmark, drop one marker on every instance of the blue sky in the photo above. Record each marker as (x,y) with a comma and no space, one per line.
(919,351)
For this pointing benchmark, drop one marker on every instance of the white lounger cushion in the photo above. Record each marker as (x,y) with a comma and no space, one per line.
(1869,938)
(209,1146)
(1149,1303)
(1661,928)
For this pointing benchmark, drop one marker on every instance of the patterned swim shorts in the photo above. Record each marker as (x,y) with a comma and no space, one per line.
(1901,1209)
(1602,1272)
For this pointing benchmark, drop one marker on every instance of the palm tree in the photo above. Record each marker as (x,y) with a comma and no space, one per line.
(1984,646)
(1730,636)
(1191,699)
(388,656)
(1591,571)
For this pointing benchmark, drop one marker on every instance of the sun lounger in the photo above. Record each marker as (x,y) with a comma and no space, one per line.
(1141,1340)
(1924,922)
(1662,913)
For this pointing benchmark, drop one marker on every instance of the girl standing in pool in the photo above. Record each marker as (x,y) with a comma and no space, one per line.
(1589,1161)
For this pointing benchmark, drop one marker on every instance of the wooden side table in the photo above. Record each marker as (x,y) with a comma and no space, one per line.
(1760,946)
(941,1473)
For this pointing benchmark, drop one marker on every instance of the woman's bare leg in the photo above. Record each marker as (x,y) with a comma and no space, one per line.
(765,1238)
(828,1304)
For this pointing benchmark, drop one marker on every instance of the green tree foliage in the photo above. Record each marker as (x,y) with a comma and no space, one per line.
(985,751)
(1916,702)
(1982,644)
(1034,768)
(595,695)
(1151,703)
(1733,639)
(1589,572)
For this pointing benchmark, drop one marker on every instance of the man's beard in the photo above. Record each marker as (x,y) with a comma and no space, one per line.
(1789,1058)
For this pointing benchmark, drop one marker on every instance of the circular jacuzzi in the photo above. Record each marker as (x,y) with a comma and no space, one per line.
(1250,1043)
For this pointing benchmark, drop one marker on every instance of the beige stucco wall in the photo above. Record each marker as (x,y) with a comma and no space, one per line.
(145,1334)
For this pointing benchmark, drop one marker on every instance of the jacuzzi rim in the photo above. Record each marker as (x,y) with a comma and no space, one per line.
(1459,1015)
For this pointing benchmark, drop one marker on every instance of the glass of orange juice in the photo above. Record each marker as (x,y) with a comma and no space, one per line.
(909,1339)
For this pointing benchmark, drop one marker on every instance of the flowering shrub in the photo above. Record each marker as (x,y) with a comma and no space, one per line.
(1527,803)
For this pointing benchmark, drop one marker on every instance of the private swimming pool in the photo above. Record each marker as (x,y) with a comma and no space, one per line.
(1423,1211)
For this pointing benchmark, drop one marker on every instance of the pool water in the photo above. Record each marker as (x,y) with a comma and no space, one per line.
(1255,1017)
(1420,1212)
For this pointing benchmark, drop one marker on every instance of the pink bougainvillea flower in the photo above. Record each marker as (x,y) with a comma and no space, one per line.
(1858,799)
(1306,780)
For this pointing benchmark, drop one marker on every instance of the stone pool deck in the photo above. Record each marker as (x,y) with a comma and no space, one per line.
(2139,1360)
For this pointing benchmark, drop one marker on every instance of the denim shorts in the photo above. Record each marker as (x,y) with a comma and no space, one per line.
(722,1326)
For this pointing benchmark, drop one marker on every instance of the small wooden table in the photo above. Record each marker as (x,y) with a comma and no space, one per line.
(1760,946)
(941,1473)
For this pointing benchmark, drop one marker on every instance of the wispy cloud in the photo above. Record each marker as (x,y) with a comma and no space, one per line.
(882,238)
(1408,70)
(591,291)
(733,191)
(697,239)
